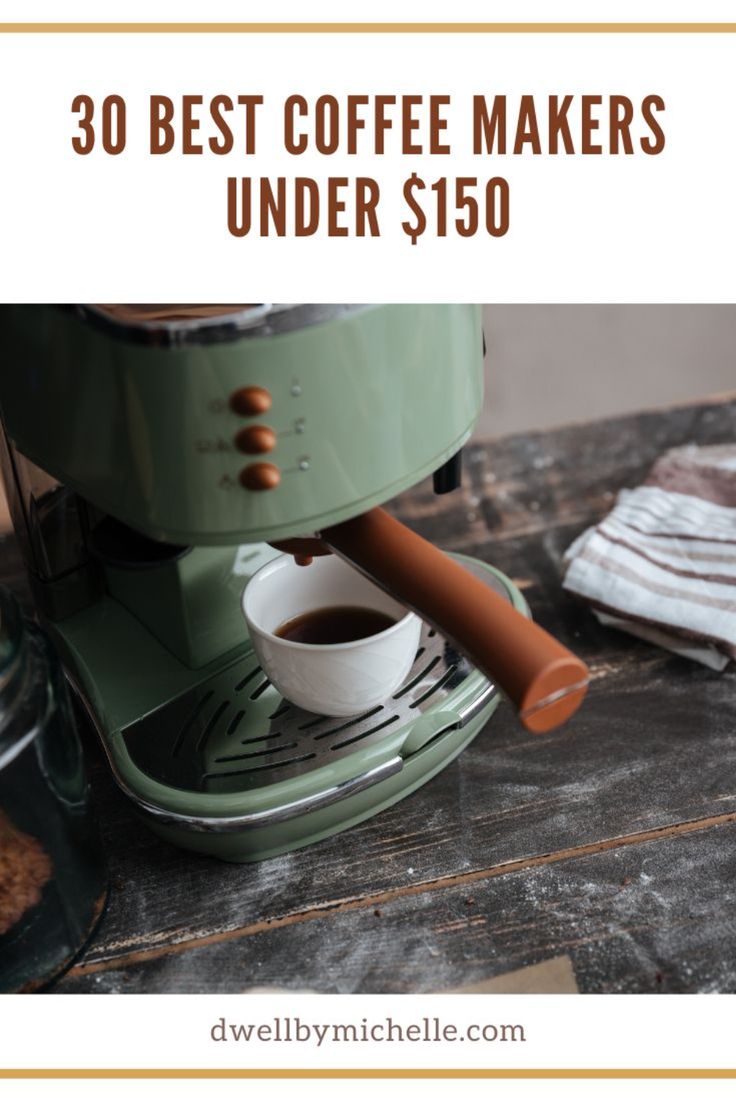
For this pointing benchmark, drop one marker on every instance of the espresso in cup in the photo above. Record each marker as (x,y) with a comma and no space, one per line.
(335,625)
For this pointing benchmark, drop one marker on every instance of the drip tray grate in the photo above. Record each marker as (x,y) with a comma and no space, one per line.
(235,732)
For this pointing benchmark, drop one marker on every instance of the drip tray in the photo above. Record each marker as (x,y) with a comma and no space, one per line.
(229,768)
(237,733)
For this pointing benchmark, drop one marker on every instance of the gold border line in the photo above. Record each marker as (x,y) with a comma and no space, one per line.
(367,28)
(369,1074)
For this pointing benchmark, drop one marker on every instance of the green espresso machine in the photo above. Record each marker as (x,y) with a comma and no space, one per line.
(149,456)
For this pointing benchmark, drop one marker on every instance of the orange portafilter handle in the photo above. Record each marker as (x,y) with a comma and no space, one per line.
(542,678)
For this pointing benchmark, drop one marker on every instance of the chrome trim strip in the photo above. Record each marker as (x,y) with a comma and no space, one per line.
(477,706)
(264,320)
(277,815)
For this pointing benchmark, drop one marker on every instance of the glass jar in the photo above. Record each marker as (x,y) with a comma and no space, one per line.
(52,873)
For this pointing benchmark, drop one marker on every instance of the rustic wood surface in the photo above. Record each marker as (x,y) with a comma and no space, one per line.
(611,840)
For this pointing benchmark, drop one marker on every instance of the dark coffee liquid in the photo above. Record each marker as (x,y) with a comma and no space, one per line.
(334,625)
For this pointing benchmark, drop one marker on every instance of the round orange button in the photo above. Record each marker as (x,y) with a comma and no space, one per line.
(248,401)
(260,477)
(255,439)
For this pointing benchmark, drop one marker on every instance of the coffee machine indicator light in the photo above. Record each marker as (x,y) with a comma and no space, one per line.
(255,439)
(248,401)
(260,477)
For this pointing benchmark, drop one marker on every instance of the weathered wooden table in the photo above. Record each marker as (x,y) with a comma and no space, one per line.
(612,841)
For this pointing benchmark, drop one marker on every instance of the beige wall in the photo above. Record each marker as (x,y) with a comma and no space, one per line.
(548,365)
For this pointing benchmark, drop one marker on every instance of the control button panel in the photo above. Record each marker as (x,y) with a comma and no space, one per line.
(248,401)
(254,439)
(260,477)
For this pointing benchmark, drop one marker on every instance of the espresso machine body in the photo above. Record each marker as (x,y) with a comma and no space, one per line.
(151,423)
(147,464)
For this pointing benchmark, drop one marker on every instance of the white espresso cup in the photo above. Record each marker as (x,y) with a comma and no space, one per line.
(336,680)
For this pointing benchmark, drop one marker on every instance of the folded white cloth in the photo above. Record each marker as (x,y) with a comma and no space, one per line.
(662,564)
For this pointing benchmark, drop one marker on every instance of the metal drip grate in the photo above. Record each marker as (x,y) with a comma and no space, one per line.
(236,732)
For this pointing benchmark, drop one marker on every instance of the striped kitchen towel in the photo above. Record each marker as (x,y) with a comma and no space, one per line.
(662,564)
